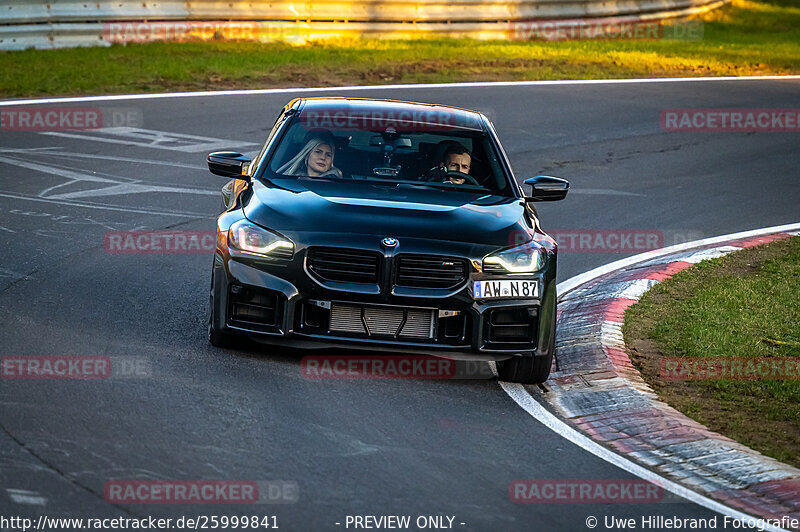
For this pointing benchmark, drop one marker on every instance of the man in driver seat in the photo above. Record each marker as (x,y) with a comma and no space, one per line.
(457,159)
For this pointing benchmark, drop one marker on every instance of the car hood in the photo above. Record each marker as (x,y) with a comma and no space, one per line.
(306,205)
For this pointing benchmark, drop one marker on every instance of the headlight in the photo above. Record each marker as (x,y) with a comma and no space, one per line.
(249,238)
(527,258)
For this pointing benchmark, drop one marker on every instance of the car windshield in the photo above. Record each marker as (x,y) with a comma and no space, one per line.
(354,149)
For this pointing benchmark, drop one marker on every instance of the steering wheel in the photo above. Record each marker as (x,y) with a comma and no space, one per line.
(460,175)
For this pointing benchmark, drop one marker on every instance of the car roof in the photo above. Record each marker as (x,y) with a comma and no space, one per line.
(386,111)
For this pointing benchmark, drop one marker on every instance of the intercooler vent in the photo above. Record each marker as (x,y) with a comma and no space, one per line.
(382,321)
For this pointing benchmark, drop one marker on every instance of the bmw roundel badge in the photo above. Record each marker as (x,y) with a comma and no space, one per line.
(389,242)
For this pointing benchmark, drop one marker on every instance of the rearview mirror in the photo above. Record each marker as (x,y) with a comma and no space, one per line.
(547,188)
(229,164)
(396,142)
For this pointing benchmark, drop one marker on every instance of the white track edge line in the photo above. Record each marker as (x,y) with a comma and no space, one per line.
(527,402)
(572,283)
(255,92)
(520,395)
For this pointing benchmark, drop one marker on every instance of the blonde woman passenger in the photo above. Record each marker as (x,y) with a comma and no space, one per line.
(314,160)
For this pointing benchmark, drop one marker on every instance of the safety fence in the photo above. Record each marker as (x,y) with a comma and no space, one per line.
(67,23)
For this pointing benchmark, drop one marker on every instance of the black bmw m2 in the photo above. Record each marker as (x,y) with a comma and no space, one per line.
(388,226)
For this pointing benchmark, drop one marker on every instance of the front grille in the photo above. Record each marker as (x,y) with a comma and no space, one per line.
(344,265)
(430,271)
(382,321)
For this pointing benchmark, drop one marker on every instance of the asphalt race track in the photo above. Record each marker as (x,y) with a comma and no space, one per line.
(354,447)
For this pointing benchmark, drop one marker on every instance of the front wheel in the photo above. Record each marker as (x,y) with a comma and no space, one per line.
(216,337)
(525,370)
(529,370)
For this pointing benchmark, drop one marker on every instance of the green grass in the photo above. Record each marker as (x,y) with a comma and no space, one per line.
(746,38)
(744,305)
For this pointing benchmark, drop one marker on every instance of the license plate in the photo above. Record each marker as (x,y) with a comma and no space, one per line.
(506,289)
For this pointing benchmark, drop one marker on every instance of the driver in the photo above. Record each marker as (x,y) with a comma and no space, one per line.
(457,159)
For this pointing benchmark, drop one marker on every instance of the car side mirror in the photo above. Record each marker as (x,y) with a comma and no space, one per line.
(229,164)
(547,188)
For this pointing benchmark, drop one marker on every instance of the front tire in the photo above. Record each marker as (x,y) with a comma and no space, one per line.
(529,370)
(525,370)
(216,337)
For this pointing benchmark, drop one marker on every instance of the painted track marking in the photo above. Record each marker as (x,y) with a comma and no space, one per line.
(490,84)
(520,395)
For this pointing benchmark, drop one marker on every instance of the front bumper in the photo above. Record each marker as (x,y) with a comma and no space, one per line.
(260,302)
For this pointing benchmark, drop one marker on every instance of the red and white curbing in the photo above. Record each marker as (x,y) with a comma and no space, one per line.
(597,388)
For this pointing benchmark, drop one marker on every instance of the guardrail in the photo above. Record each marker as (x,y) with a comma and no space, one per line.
(67,23)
